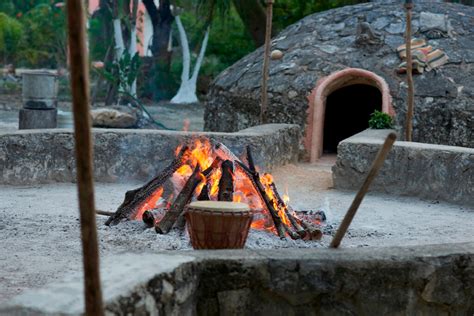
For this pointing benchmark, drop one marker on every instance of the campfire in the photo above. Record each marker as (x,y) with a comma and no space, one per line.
(207,170)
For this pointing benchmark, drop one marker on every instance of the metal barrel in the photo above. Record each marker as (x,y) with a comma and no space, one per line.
(40,90)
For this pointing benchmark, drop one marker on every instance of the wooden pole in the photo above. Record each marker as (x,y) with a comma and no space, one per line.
(83,143)
(411,89)
(266,62)
(374,169)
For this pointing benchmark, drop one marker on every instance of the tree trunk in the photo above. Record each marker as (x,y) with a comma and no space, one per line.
(133,41)
(253,16)
(187,89)
(161,19)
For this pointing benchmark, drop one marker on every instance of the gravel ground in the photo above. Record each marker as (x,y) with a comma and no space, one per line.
(39,225)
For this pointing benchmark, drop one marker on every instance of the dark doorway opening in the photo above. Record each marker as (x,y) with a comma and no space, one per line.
(348,111)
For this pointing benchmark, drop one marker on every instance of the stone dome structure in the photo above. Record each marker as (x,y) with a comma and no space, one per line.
(330,78)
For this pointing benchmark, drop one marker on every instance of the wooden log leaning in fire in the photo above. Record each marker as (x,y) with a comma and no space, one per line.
(184,197)
(226,183)
(134,198)
(294,222)
(148,218)
(204,195)
(255,179)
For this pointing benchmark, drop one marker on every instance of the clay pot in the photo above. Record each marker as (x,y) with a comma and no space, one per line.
(218,225)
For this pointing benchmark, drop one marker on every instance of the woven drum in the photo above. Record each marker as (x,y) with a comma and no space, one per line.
(218,225)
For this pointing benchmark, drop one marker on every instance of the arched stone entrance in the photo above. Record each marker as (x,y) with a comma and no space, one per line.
(325,87)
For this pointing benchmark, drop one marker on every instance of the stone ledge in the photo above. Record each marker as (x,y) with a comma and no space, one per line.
(45,156)
(429,279)
(428,171)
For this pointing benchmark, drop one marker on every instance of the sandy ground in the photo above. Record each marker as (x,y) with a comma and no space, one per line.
(39,225)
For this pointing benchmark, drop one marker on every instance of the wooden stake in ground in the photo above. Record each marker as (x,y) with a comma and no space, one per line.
(266,61)
(83,143)
(374,169)
(411,89)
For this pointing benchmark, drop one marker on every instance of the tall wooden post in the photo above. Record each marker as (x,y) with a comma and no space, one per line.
(83,142)
(266,61)
(410,92)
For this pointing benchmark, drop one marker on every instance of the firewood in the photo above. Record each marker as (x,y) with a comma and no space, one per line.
(134,198)
(104,213)
(288,212)
(255,179)
(292,234)
(312,232)
(149,219)
(223,152)
(204,195)
(183,198)
(250,160)
(226,183)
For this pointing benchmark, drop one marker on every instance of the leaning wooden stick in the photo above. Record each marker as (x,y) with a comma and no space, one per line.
(374,169)
(104,213)
(83,143)
(266,62)
(411,88)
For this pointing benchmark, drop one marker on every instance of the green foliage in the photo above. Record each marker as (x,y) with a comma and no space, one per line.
(44,43)
(122,73)
(380,120)
(287,12)
(11,32)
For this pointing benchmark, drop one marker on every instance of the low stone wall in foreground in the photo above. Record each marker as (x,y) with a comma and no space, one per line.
(45,156)
(424,280)
(427,171)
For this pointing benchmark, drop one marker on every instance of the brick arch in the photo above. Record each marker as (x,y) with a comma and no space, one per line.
(327,85)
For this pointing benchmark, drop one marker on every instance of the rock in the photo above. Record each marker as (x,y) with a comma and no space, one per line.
(276,54)
(292,94)
(112,118)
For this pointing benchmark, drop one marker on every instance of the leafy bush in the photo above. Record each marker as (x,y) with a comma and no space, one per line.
(11,32)
(44,42)
(380,120)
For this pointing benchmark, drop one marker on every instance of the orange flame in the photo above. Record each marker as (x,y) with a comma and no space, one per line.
(201,152)
(150,203)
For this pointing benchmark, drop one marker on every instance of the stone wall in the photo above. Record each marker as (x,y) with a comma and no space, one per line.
(434,172)
(426,280)
(43,156)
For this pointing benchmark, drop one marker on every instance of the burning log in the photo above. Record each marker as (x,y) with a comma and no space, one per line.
(223,152)
(289,213)
(204,195)
(134,198)
(183,198)
(255,179)
(226,183)
(149,219)
(313,232)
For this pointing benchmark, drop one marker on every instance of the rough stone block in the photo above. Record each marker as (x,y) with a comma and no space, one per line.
(38,119)
(45,156)
(428,171)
